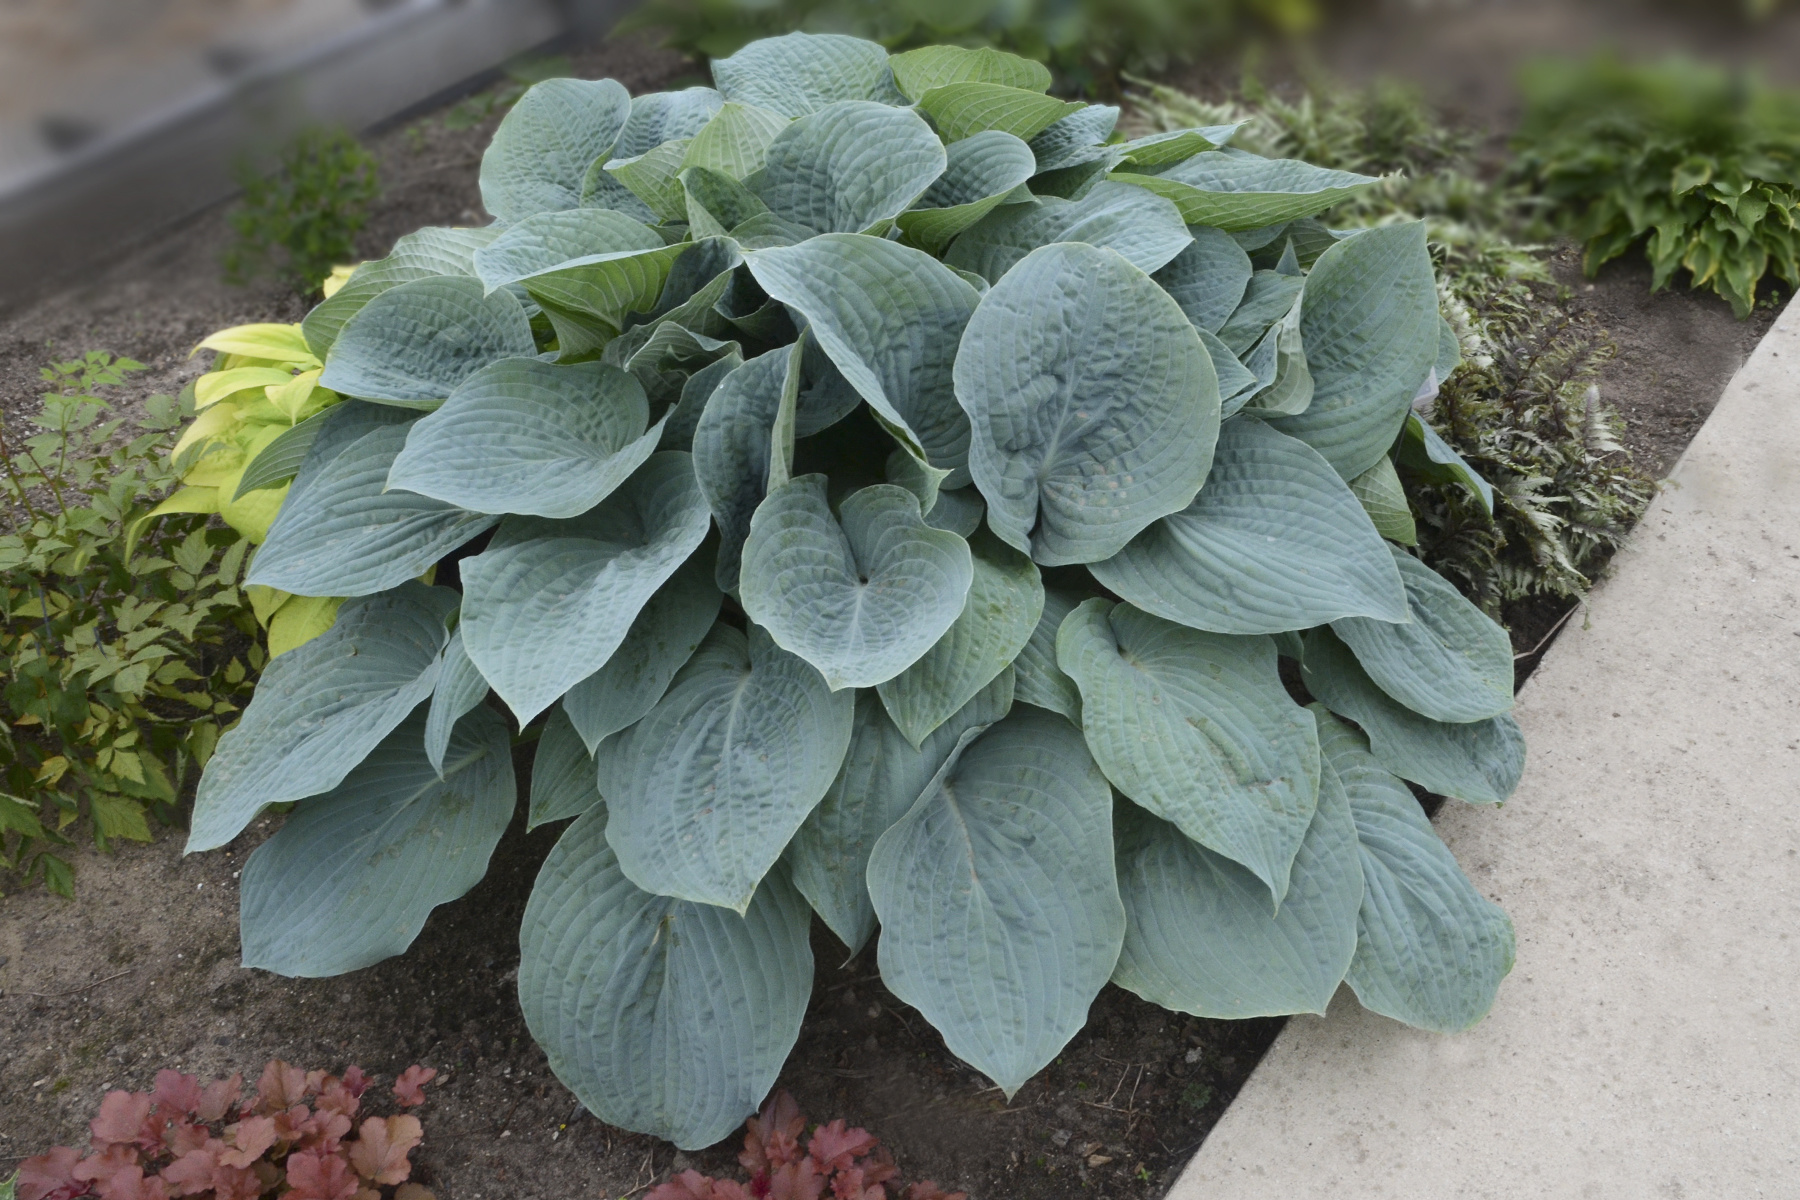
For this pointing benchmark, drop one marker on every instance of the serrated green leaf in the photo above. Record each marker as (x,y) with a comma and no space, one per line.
(705,792)
(918,71)
(849,167)
(1145,229)
(1274,541)
(434,250)
(1231,190)
(962,109)
(980,173)
(562,774)
(544,147)
(411,345)
(1378,490)
(1207,278)
(459,688)
(801,73)
(1094,406)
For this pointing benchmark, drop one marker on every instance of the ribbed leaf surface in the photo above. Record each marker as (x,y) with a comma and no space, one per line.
(459,688)
(562,774)
(1232,190)
(849,167)
(414,343)
(544,147)
(1145,229)
(803,72)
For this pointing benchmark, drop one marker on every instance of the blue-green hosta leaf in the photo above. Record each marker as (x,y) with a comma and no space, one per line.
(1384,499)
(736,141)
(662,1016)
(862,595)
(918,71)
(922,480)
(1369,318)
(1207,278)
(981,172)
(544,147)
(890,317)
(588,299)
(1424,452)
(1074,139)
(1430,949)
(705,792)
(1199,936)
(1197,728)
(1145,229)
(527,436)
(654,177)
(881,778)
(434,250)
(1038,679)
(548,602)
(801,73)
(1006,597)
(999,905)
(1267,297)
(1237,383)
(562,774)
(1479,761)
(321,707)
(281,459)
(350,876)
(1274,541)
(413,344)
(345,534)
(732,445)
(849,167)
(343,425)
(678,424)
(658,117)
(460,687)
(960,110)
(1451,662)
(550,240)
(602,189)
(1279,363)
(1174,145)
(665,635)
(957,509)
(716,203)
(1232,190)
(1094,405)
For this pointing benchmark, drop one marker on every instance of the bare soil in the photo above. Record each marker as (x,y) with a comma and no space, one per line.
(140,971)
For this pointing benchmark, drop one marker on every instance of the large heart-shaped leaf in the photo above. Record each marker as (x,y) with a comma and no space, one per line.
(1274,541)
(459,688)
(345,534)
(1076,138)
(918,71)
(548,240)
(413,344)
(890,318)
(732,444)
(1199,936)
(1197,728)
(527,436)
(1093,404)
(980,173)
(562,773)
(1006,597)
(862,595)
(434,250)
(321,707)
(1268,296)
(1144,228)
(654,177)
(999,906)
(658,117)
(544,147)
(1232,190)
(706,791)
(1369,319)
(1431,950)
(1037,677)
(1477,761)
(849,167)
(961,110)
(881,778)
(1451,662)
(736,141)
(801,73)
(350,876)
(662,1016)
(1207,278)
(665,635)
(548,602)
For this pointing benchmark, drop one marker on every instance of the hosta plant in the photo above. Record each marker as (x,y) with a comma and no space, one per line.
(887,496)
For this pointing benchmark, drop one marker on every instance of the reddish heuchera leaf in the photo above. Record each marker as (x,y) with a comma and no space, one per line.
(129,1184)
(379,1153)
(796,1181)
(407,1088)
(192,1172)
(182,1137)
(355,1082)
(49,1176)
(176,1092)
(281,1086)
(314,1176)
(122,1118)
(692,1185)
(324,1132)
(336,1097)
(853,1184)
(772,1137)
(250,1140)
(218,1098)
(238,1183)
(99,1168)
(836,1148)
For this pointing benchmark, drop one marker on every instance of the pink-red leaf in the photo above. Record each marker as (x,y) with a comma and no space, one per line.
(175,1092)
(314,1176)
(122,1118)
(49,1176)
(408,1088)
(355,1081)
(281,1086)
(218,1098)
(771,1138)
(836,1148)
(250,1139)
(379,1153)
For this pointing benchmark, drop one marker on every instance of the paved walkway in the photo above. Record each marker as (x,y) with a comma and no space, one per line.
(1647,1044)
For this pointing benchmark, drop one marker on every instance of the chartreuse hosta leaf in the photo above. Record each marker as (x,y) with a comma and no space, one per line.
(663,1016)
(543,148)
(665,635)
(419,255)
(460,687)
(1451,662)
(1197,728)
(1144,228)
(999,905)
(861,595)
(1234,191)
(890,317)
(527,436)
(1094,406)
(881,778)
(918,71)
(981,172)
(562,774)
(1006,597)
(960,110)
(1274,541)
(320,708)
(1369,320)
(414,343)
(351,875)
(1430,949)
(548,602)
(706,791)
(849,167)
(1199,935)
(1476,761)
(1207,278)
(803,72)
(1038,679)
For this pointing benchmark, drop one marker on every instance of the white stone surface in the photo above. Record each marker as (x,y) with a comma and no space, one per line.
(1647,1043)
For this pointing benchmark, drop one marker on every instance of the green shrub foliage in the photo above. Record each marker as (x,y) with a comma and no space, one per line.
(895,496)
(300,220)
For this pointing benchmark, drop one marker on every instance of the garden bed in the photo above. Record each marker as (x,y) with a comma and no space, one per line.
(140,972)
